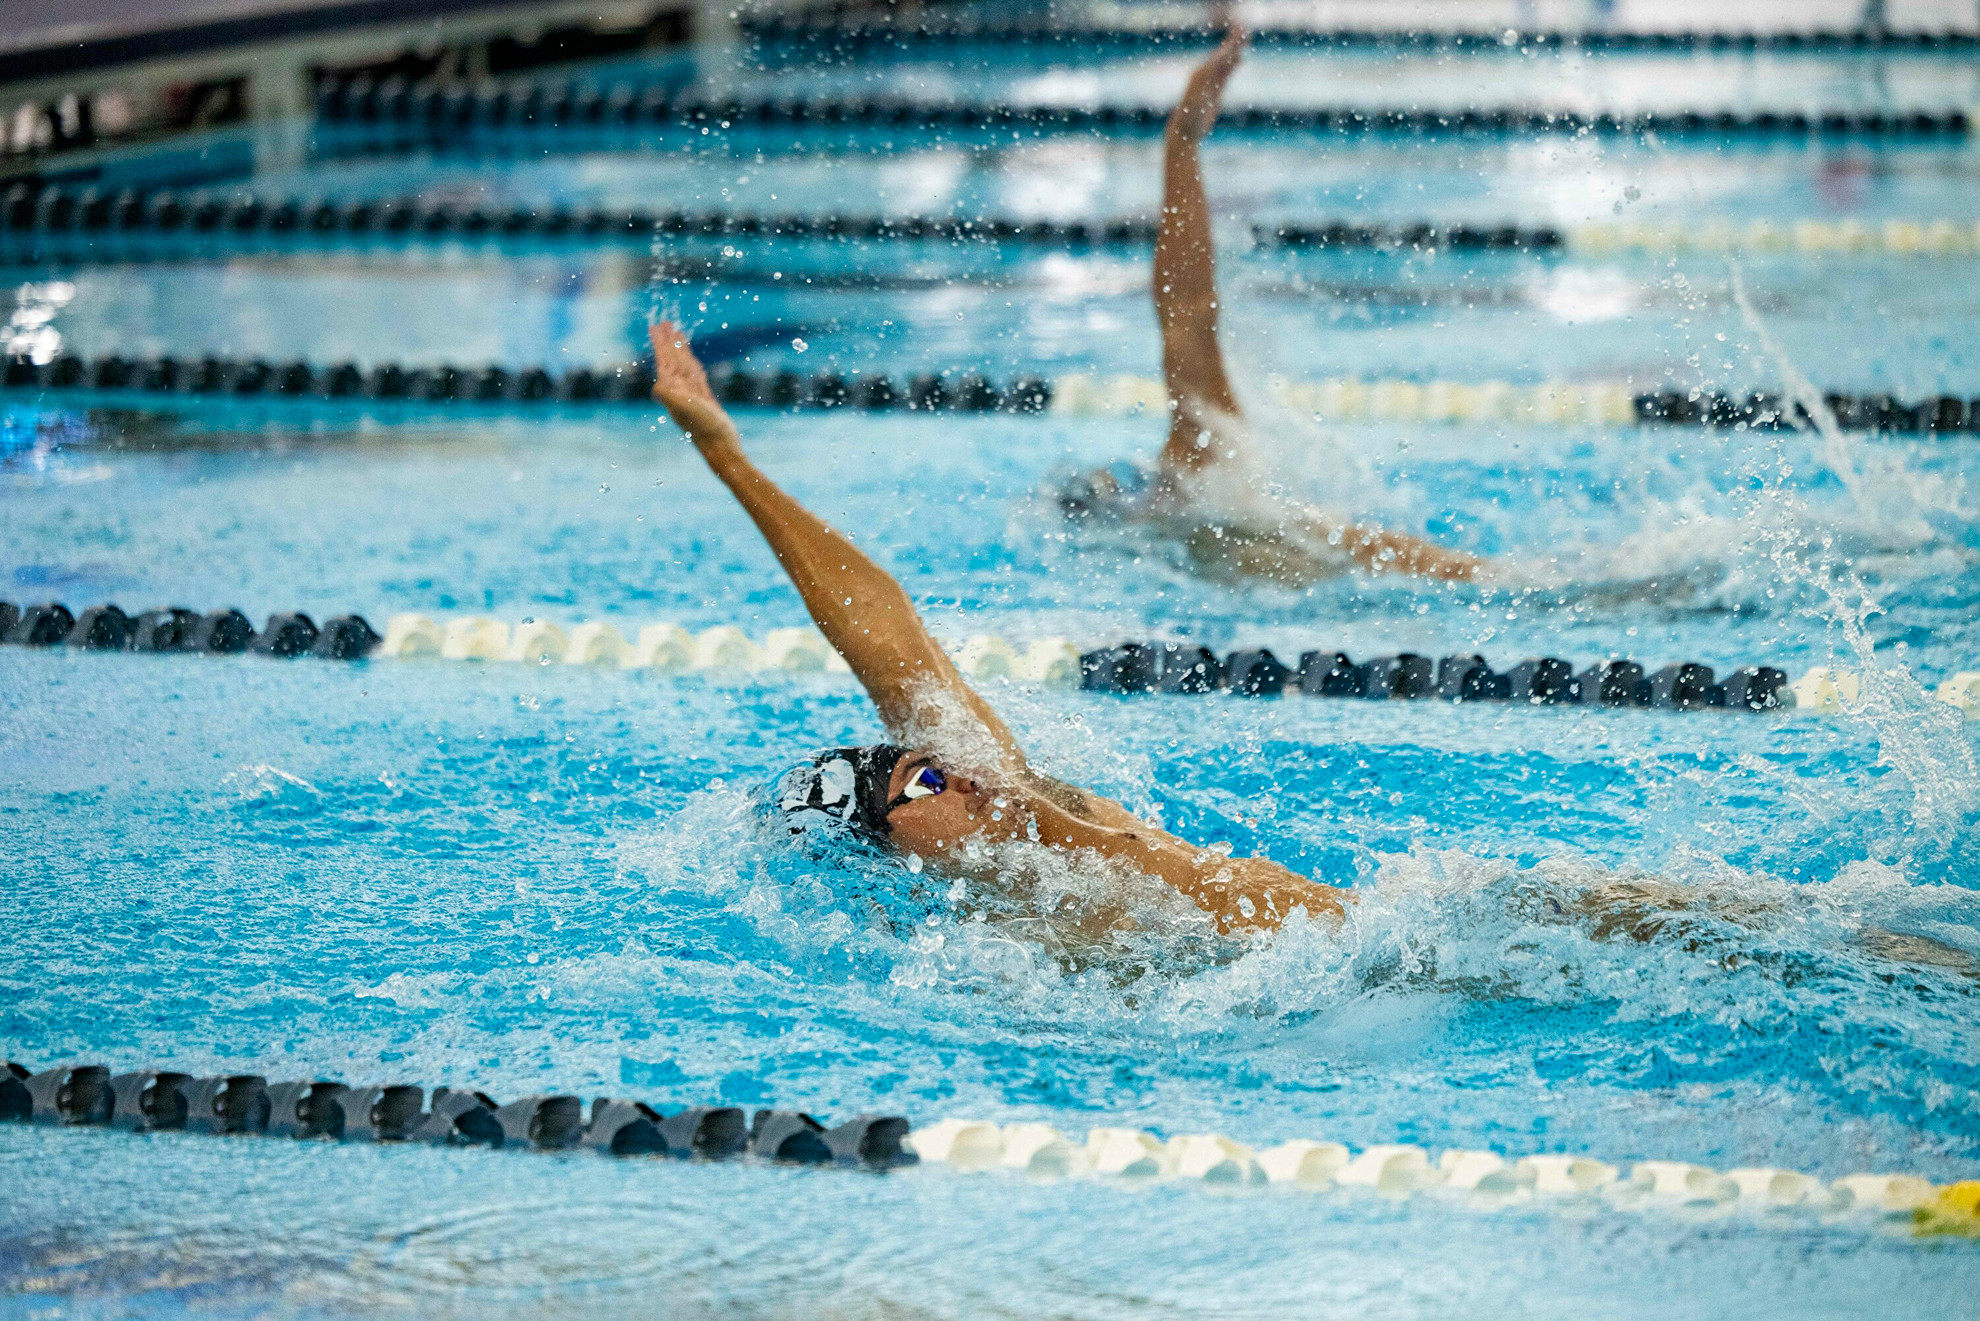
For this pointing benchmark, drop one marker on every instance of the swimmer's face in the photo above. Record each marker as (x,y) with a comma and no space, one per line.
(933,807)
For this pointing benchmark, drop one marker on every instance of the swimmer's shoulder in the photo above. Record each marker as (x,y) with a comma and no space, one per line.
(1092,808)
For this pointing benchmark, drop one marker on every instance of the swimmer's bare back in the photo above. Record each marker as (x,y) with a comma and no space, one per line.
(924,701)
(1201,401)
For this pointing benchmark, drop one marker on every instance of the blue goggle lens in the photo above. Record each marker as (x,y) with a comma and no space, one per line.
(926,783)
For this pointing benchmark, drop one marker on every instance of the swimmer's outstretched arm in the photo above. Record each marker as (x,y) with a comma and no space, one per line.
(1199,387)
(864,613)
(857,604)
(1186,270)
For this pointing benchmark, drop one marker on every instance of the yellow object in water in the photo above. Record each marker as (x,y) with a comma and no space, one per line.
(1954,1210)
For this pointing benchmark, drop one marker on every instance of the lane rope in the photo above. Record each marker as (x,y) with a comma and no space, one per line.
(865,36)
(1174,668)
(240,219)
(1810,237)
(545,106)
(245,1104)
(1548,403)
(1480,1179)
(249,1105)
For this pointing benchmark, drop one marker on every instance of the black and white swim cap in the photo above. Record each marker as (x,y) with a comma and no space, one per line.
(843,789)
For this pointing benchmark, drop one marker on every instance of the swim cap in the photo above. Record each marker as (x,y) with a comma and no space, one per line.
(843,789)
(1113,490)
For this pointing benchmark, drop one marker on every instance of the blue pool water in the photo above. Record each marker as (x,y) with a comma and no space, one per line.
(527,878)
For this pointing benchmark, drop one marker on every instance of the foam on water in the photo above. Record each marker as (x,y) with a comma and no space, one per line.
(1685,973)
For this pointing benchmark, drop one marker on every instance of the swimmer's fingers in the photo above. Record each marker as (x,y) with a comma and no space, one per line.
(1197,110)
(681,386)
(1223,62)
(676,371)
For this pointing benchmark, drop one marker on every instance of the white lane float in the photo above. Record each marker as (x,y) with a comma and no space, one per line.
(725,647)
(1303,1163)
(537,642)
(475,637)
(1392,1169)
(1041,1151)
(1467,1178)
(662,647)
(1214,1159)
(596,643)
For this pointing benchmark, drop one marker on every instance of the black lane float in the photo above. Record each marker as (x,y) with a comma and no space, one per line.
(176,629)
(544,106)
(960,391)
(89,1095)
(934,30)
(240,220)
(1172,667)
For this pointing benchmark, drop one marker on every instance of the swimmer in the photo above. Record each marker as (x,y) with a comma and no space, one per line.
(1200,494)
(954,774)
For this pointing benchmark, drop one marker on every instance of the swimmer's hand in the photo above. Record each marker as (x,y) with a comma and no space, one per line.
(1197,110)
(681,387)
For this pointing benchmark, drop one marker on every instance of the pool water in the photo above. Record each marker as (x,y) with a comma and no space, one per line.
(553,878)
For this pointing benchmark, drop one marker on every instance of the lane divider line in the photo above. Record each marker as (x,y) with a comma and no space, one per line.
(847,36)
(1173,668)
(1940,237)
(1895,237)
(547,106)
(1546,403)
(242,219)
(248,1105)
(89,1095)
(1551,403)
(1482,1180)
(236,217)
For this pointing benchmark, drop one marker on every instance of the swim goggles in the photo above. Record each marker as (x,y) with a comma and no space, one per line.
(924,783)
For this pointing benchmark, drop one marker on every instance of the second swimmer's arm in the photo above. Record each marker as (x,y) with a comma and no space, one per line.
(1186,267)
(1380,551)
(857,604)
